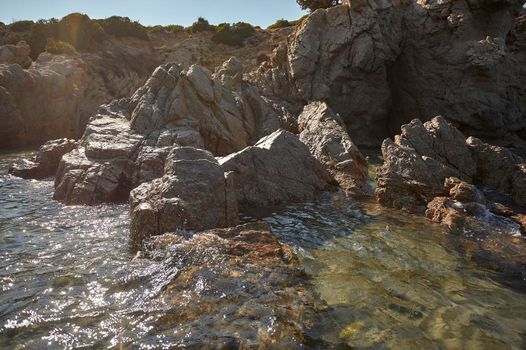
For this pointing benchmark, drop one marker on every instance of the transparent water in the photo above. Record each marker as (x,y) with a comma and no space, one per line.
(384,280)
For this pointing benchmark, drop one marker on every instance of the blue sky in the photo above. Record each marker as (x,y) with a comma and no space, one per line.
(149,12)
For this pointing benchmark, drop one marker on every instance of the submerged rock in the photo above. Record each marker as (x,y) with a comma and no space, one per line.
(264,298)
(46,161)
(194,194)
(324,132)
(278,169)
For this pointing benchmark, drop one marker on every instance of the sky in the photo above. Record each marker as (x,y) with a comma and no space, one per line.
(152,12)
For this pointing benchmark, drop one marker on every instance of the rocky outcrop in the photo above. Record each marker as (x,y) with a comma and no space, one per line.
(324,132)
(424,155)
(46,161)
(193,194)
(379,63)
(126,142)
(278,169)
(55,97)
(16,54)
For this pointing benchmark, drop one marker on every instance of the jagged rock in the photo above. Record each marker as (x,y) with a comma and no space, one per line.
(194,194)
(278,169)
(16,54)
(424,155)
(126,142)
(499,169)
(378,63)
(325,134)
(46,161)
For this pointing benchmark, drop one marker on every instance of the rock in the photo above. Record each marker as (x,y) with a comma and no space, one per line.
(126,142)
(227,263)
(324,133)
(499,169)
(66,91)
(194,194)
(46,161)
(16,54)
(420,159)
(379,63)
(278,169)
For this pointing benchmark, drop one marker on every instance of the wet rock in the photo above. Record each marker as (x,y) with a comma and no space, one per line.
(278,169)
(125,144)
(194,194)
(16,54)
(46,161)
(264,299)
(324,132)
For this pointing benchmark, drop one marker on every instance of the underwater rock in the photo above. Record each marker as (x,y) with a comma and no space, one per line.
(46,161)
(264,298)
(194,194)
(278,169)
(324,132)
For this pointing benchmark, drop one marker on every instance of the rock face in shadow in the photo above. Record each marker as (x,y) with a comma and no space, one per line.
(324,132)
(278,169)
(126,142)
(57,94)
(424,155)
(378,63)
(193,194)
(46,161)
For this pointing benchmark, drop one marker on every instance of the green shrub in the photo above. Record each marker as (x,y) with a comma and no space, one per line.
(233,34)
(57,47)
(39,34)
(21,26)
(174,28)
(281,23)
(80,31)
(317,4)
(202,25)
(123,27)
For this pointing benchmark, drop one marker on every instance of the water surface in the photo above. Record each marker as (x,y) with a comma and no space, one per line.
(385,280)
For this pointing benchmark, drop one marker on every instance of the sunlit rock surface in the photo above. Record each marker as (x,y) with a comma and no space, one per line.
(126,142)
(193,194)
(278,169)
(324,132)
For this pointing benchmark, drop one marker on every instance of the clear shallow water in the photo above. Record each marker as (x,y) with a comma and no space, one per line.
(386,280)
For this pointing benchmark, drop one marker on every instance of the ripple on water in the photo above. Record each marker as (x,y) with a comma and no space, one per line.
(382,280)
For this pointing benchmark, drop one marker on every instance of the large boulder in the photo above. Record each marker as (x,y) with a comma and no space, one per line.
(278,169)
(46,161)
(126,142)
(194,194)
(324,132)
